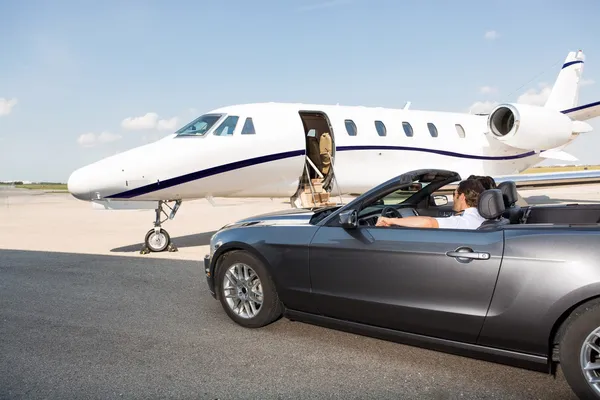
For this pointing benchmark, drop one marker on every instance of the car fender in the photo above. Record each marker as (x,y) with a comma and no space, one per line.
(236,245)
(564,306)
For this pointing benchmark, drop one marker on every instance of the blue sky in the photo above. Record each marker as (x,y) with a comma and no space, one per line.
(71,72)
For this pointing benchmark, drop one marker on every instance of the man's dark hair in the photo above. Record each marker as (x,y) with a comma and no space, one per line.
(471,188)
(487,181)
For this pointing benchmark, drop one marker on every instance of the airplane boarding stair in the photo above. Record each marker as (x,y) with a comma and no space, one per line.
(312,193)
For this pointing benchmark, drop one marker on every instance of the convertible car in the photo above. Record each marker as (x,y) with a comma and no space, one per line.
(522,289)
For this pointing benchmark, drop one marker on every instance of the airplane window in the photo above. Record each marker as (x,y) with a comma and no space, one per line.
(350,127)
(432,129)
(227,127)
(199,126)
(407,129)
(248,128)
(380,128)
(460,130)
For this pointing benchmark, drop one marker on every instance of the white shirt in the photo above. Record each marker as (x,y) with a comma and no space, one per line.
(470,219)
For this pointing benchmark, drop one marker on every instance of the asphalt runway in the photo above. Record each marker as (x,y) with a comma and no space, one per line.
(94,326)
(84,315)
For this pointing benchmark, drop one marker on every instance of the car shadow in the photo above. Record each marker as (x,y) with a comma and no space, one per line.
(197,239)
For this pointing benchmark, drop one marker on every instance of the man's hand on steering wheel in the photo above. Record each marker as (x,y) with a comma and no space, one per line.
(383,221)
(386,215)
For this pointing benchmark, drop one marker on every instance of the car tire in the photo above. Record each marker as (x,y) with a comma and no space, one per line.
(232,295)
(583,327)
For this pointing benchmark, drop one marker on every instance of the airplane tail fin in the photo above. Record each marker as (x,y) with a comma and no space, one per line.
(565,92)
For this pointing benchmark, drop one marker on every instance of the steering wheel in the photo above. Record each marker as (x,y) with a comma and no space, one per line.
(390,212)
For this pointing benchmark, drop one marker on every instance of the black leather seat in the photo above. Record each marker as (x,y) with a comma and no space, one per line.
(509,192)
(491,207)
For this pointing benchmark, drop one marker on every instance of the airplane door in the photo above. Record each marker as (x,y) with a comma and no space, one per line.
(320,145)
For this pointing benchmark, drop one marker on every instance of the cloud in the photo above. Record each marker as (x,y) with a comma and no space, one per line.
(167,124)
(536,97)
(149,121)
(491,35)
(7,105)
(487,89)
(482,107)
(90,139)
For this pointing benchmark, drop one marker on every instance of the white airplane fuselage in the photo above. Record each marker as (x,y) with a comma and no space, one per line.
(276,149)
(270,162)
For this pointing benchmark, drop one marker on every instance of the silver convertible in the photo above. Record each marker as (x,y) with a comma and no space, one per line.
(522,289)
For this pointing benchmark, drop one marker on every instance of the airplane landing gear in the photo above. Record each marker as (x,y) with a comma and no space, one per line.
(157,239)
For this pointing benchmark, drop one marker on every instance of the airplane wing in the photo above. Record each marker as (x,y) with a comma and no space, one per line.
(585,112)
(552,178)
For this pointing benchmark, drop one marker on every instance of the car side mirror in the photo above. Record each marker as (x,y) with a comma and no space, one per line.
(440,200)
(348,219)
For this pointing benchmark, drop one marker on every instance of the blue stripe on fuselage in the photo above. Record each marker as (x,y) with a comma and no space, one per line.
(579,108)
(571,63)
(434,151)
(279,156)
(205,173)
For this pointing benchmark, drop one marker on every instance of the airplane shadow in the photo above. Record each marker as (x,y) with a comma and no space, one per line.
(197,239)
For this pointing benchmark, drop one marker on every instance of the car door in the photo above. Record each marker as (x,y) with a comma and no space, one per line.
(408,279)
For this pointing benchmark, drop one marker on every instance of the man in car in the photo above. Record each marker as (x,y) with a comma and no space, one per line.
(465,206)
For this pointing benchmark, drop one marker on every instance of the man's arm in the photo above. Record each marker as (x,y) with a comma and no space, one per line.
(411,222)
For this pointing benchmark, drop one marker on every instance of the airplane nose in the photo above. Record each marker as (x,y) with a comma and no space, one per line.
(78,186)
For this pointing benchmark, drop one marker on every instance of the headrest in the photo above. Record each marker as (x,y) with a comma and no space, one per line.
(509,193)
(491,204)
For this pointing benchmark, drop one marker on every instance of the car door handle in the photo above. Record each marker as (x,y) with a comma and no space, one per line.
(469,254)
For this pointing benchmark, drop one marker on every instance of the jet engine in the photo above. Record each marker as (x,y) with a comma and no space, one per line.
(530,127)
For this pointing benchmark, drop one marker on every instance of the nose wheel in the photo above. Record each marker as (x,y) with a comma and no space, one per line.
(157,239)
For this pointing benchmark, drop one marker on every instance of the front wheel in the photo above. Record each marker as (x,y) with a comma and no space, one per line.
(580,352)
(157,242)
(246,290)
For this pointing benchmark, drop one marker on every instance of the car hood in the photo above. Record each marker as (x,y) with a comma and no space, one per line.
(294,216)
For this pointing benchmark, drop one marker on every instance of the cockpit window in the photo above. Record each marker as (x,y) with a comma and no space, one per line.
(248,128)
(199,126)
(227,127)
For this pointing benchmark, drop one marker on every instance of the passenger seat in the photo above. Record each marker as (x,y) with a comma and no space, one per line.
(509,193)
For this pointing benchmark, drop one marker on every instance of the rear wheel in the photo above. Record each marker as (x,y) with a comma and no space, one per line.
(580,351)
(246,290)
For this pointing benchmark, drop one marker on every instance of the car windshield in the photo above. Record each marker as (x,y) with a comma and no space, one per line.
(322,214)
(399,196)
(199,126)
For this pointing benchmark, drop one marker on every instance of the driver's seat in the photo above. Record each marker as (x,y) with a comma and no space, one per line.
(491,207)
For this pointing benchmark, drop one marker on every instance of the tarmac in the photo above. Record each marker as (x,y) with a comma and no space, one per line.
(35,220)
(85,315)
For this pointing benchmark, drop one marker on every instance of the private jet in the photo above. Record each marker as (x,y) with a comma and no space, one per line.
(307,151)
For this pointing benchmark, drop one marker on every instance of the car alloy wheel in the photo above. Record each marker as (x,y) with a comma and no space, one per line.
(242,290)
(589,359)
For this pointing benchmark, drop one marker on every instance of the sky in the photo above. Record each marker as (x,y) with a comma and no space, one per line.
(82,80)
